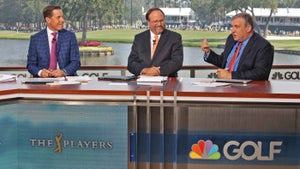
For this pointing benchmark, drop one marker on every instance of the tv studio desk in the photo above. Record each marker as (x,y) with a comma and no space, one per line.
(104,124)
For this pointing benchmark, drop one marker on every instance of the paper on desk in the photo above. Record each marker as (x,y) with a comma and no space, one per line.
(70,80)
(82,79)
(152,79)
(7,78)
(63,83)
(118,84)
(210,84)
(150,84)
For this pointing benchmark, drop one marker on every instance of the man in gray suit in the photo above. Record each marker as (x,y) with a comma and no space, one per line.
(161,56)
(67,58)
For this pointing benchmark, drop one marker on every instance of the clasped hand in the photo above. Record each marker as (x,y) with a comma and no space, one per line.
(52,73)
(151,71)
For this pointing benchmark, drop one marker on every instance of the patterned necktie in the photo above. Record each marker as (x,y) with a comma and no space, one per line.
(53,60)
(155,42)
(232,61)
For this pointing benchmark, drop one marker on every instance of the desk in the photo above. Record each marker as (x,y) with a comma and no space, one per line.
(251,126)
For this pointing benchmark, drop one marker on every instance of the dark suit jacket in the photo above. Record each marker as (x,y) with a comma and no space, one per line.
(256,60)
(67,52)
(168,54)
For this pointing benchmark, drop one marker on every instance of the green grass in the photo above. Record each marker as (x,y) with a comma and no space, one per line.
(14,35)
(190,38)
(286,44)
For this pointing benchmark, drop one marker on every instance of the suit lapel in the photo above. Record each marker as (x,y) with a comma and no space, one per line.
(228,50)
(59,39)
(147,45)
(59,42)
(45,42)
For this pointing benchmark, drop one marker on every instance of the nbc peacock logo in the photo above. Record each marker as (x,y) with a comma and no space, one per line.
(205,150)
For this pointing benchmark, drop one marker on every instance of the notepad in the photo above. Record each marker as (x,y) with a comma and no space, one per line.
(151,80)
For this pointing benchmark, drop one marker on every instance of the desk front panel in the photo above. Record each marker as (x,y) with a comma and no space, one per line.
(215,135)
(54,135)
(165,124)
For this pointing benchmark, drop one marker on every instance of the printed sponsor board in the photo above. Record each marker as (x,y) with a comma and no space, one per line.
(217,148)
(58,136)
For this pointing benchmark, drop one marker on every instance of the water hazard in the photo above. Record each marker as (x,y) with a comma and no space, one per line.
(14,53)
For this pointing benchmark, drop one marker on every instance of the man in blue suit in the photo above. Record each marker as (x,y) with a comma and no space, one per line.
(166,59)
(252,60)
(67,51)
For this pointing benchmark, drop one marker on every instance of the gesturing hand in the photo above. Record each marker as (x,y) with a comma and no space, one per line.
(204,46)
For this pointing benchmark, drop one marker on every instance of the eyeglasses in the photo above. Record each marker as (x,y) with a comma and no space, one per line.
(157,21)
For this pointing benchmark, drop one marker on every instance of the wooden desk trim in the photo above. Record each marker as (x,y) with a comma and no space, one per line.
(97,90)
(120,67)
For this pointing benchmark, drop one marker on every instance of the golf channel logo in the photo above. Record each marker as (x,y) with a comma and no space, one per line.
(234,150)
(205,150)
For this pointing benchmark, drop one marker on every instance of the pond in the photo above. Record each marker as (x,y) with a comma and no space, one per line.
(14,53)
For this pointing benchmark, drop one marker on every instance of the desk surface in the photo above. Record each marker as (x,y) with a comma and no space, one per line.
(255,89)
(179,87)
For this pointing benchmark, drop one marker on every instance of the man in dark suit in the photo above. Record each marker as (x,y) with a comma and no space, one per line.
(67,56)
(252,60)
(167,49)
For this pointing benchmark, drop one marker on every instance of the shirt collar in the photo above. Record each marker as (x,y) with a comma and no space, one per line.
(152,35)
(245,42)
(49,32)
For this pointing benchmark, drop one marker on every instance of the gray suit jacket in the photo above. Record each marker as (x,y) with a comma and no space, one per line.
(168,54)
(256,60)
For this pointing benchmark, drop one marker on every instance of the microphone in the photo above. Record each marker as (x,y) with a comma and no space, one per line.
(154,41)
(53,40)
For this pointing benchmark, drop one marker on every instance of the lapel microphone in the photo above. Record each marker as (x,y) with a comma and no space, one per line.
(53,40)
(154,41)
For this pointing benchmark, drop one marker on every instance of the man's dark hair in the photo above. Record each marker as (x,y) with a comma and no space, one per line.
(151,10)
(247,17)
(47,11)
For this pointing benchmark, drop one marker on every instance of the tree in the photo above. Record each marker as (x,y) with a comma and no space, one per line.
(110,12)
(133,11)
(287,3)
(273,5)
(245,6)
(32,12)
(10,12)
(202,11)
(85,11)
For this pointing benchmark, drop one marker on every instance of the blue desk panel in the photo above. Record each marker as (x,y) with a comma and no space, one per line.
(57,136)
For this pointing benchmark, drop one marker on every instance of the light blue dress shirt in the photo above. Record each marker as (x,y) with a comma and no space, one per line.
(239,56)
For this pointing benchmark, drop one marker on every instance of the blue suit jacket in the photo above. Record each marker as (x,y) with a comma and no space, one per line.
(168,54)
(256,60)
(67,52)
